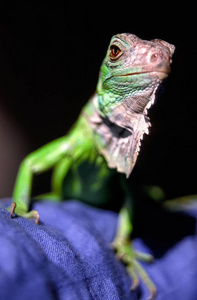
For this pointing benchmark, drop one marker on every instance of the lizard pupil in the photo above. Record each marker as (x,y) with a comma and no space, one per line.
(114,51)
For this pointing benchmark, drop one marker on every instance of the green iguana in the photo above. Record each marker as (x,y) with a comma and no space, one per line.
(105,140)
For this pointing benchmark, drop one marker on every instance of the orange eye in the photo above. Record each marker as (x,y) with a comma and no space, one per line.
(114,52)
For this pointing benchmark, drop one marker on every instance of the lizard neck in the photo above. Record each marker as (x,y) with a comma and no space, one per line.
(118,135)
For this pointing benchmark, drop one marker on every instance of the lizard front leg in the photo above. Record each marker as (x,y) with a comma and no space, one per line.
(125,252)
(35,163)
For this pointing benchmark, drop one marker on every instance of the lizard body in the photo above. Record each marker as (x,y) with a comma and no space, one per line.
(99,152)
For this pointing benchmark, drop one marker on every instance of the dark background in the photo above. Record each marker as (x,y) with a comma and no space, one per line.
(50,54)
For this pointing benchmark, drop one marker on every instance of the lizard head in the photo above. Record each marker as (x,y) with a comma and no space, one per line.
(129,76)
(132,67)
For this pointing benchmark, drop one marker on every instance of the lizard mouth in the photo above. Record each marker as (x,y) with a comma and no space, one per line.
(161,74)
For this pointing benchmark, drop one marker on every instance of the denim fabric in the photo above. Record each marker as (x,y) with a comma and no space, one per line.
(68,256)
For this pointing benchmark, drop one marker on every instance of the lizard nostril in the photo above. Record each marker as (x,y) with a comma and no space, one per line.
(154,57)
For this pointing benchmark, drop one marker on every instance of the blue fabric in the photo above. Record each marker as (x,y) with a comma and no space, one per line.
(68,256)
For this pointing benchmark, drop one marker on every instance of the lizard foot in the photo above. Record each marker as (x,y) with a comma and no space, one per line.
(130,257)
(33,214)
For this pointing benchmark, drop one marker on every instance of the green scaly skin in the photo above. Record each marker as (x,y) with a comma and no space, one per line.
(92,161)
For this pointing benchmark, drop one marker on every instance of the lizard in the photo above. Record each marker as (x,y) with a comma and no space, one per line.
(95,158)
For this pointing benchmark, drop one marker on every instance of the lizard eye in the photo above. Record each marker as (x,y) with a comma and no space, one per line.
(115,52)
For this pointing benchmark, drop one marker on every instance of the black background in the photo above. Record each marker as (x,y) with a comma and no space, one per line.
(50,54)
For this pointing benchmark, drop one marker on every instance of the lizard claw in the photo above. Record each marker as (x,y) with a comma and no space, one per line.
(153,293)
(12,211)
(135,284)
(36,216)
